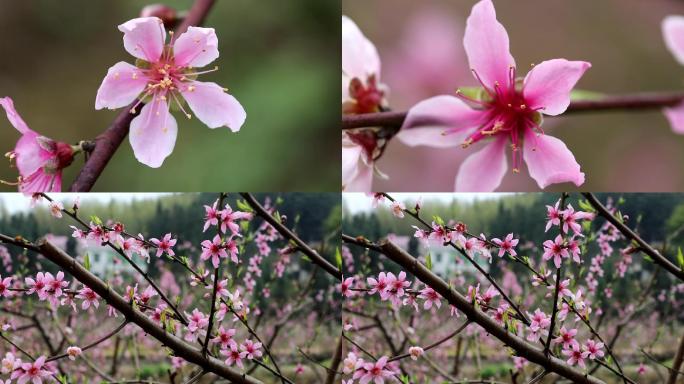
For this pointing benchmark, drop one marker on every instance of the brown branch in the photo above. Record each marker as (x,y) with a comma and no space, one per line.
(107,143)
(94,343)
(522,348)
(628,233)
(677,363)
(337,358)
(217,276)
(301,245)
(180,347)
(632,102)
(436,343)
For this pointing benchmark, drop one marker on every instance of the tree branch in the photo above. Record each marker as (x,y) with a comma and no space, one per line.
(628,233)
(180,347)
(633,102)
(302,246)
(522,348)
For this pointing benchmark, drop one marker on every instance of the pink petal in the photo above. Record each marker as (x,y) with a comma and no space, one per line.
(351,155)
(213,106)
(675,116)
(550,161)
(673,33)
(39,181)
(428,120)
(548,84)
(357,175)
(153,133)
(483,170)
(144,38)
(359,56)
(487,46)
(30,155)
(122,84)
(196,48)
(13,115)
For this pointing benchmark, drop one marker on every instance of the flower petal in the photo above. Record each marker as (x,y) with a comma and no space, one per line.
(153,133)
(673,33)
(486,43)
(675,116)
(144,38)
(196,47)
(548,84)
(483,170)
(213,106)
(359,56)
(39,181)
(30,154)
(550,161)
(13,115)
(122,84)
(357,174)
(428,120)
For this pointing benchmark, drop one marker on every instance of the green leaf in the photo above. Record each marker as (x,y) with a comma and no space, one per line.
(680,258)
(96,220)
(585,206)
(428,262)
(243,206)
(86,262)
(580,94)
(338,258)
(438,220)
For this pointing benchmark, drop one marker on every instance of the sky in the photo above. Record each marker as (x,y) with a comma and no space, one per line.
(360,202)
(18,202)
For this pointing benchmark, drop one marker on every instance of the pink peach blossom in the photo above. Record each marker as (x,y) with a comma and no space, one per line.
(166,74)
(214,250)
(511,112)
(40,160)
(361,93)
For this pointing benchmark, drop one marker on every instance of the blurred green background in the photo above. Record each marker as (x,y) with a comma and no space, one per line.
(421,48)
(278,58)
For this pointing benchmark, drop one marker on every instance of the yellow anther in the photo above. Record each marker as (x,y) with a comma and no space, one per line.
(132,111)
(467,143)
(189,116)
(523,106)
(516,170)
(191,88)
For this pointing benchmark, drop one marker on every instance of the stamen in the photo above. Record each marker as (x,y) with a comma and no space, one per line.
(140,100)
(12,183)
(467,143)
(482,83)
(180,105)
(460,95)
(216,68)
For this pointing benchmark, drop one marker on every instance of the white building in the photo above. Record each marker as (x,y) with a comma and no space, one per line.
(105,262)
(446,261)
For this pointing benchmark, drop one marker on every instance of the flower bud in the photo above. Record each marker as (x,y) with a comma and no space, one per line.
(167,14)
(416,352)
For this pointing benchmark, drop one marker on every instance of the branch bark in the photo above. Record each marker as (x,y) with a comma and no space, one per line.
(180,347)
(522,348)
(628,233)
(633,102)
(108,142)
(302,246)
